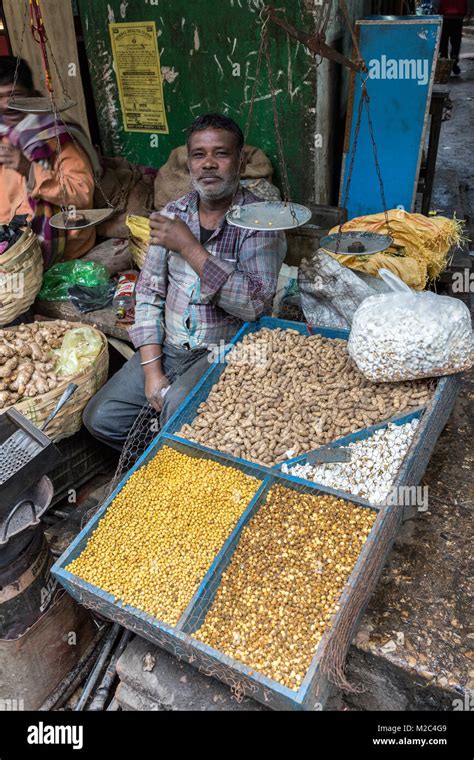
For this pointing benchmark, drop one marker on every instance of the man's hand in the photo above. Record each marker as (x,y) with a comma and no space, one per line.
(173,234)
(154,384)
(14,158)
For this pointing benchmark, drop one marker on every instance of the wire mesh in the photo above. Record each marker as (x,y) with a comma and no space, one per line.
(143,431)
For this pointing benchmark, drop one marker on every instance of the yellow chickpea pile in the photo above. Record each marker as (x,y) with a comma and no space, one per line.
(283,583)
(161,533)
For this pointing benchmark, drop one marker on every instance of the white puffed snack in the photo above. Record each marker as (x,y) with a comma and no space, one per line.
(405,335)
(373,466)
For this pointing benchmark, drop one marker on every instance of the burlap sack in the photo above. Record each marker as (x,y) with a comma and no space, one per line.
(138,200)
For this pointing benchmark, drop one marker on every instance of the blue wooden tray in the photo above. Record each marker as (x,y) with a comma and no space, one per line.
(315,687)
(433,416)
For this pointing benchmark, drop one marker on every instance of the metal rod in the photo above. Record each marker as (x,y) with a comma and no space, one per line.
(315,43)
(105,685)
(114,706)
(75,676)
(96,671)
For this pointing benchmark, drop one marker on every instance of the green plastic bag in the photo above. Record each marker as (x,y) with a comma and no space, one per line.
(62,276)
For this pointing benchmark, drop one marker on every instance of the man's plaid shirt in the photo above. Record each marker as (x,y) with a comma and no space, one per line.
(238,283)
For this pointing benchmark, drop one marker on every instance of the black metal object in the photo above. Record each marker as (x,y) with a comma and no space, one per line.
(76,676)
(19,473)
(23,518)
(27,587)
(356,242)
(26,453)
(326,455)
(356,247)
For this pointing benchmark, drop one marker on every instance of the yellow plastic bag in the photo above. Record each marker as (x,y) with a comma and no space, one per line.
(139,240)
(139,226)
(420,250)
(80,346)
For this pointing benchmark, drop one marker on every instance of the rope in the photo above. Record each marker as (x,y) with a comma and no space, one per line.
(345,13)
(264,50)
(39,35)
(20,50)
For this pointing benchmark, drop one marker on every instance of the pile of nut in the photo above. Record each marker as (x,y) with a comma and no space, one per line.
(163,530)
(286,391)
(414,336)
(27,363)
(373,466)
(282,586)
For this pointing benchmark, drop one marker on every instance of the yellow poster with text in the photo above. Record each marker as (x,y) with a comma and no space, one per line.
(137,67)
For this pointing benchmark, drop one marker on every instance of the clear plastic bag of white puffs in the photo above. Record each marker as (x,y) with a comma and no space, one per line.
(405,334)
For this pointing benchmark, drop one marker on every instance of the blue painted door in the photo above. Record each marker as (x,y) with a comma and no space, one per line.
(400,55)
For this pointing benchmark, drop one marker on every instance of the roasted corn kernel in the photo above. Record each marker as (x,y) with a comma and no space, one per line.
(161,533)
(282,587)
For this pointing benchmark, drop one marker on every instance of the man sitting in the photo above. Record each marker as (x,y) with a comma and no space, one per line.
(36,180)
(202,278)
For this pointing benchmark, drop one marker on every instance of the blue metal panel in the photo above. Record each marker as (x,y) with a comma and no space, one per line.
(401,56)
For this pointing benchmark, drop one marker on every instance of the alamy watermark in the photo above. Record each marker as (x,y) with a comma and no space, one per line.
(417,69)
(409,496)
(11,704)
(463,282)
(12,284)
(250,354)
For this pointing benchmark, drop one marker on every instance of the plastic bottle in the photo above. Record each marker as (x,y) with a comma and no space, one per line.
(124,298)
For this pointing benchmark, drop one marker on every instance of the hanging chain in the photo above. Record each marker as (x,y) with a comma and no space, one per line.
(37,27)
(366,98)
(364,102)
(351,167)
(257,75)
(322,24)
(20,49)
(57,69)
(264,50)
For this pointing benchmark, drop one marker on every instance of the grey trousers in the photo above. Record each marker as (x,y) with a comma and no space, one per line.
(110,414)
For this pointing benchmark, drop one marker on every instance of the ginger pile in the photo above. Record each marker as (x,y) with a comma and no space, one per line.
(27,362)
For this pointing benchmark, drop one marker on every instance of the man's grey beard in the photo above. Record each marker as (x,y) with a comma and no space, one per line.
(227,189)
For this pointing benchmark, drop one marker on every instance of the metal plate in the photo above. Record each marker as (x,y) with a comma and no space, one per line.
(83,218)
(268,215)
(39,105)
(341,242)
(41,495)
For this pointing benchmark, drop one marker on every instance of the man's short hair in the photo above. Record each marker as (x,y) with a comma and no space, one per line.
(7,72)
(216,121)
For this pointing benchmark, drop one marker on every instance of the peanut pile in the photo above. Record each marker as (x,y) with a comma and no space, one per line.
(283,583)
(286,392)
(161,533)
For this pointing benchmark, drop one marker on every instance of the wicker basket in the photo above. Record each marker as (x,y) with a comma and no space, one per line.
(444,67)
(21,272)
(69,420)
